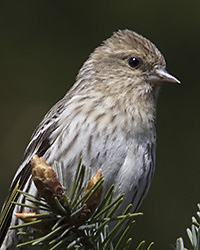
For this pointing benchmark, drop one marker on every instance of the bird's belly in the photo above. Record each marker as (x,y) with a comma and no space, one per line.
(125,162)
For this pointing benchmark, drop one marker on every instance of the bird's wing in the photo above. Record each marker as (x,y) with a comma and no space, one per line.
(40,142)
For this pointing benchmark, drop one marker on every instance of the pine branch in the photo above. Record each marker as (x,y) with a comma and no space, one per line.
(73,220)
(193,234)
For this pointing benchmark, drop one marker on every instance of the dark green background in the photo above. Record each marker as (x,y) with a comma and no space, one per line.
(42,46)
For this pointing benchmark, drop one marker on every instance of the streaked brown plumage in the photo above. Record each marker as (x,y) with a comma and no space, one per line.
(107,118)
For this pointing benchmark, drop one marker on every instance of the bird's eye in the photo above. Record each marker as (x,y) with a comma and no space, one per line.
(133,62)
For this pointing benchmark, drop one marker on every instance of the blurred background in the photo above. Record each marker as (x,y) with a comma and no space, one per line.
(42,46)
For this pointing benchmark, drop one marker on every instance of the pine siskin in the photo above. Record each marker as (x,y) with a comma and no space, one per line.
(107,118)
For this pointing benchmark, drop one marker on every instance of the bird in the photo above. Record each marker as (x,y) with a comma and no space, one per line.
(108,118)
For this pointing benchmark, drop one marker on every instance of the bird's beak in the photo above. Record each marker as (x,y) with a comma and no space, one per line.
(160,77)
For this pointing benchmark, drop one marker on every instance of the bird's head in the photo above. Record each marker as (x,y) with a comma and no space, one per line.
(124,62)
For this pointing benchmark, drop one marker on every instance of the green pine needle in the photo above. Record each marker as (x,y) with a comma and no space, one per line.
(71,226)
(193,234)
